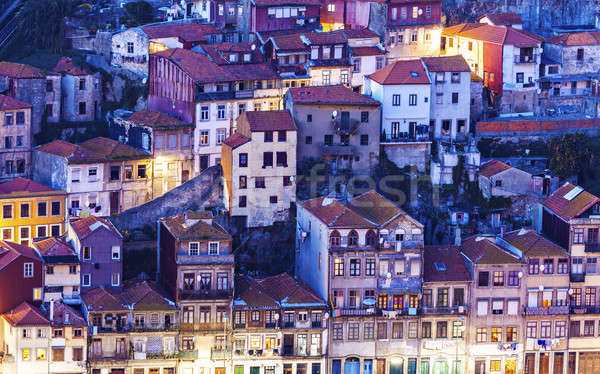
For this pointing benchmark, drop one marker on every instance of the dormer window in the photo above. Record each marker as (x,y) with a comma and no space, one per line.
(326,53)
(213,248)
(247,57)
(233,57)
(194,249)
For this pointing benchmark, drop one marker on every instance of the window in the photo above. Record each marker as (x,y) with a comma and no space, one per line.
(326,75)
(520,77)
(412,100)
(580,54)
(115,173)
(382,330)
(482,307)
(396,100)
(115,279)
(533,266)
(268,136)
(356,65)
(497,306)
(483,279)
(87,253)
(213,248)
(457,329)
(560,329)
(281,159)
(498,279)
(259,182)
(335,239)
(7,211)
(40,354)
(116,252)
(282,136)
(242,202)
(353,331)
(243,182)
(338,267)
(344,76)
(28,270)
(86,280)
(354,267)
(243,160)
(496,334)
(338,331)
(397,330)
(441,329)
(287,181)
(267,159)
(563,266)
(221,112)
(24,210)
(194,248)
(370,267)
(368,331)
(454,97)
(442,297)
(426,329)
(82,108)
(42,231)
(511,334)
(513,278)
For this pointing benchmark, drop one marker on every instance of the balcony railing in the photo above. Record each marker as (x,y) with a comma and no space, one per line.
(357,312)
(585,309)
(592,247)
(547,311)
(316,324)
(577,277)
(337,150)
(526,59)
(188,355)
(405,137)
(109,356)
(345,127)
(444,310)
(244,94)
(205,294)
(220,353)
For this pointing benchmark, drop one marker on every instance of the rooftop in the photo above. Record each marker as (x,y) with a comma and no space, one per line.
(157,120)
(532,244)
(273,120)
(493,167)
(576,38)
(54,246)
(331,95)
(144,294)
(503,19)
(569,201)
(286,2)
(65,65)
(185,227)
(64,315)
(447,64)
(444,263)
(235,140)
(377,208)
(11,251)
(15,70)
(21,186)
(100,299)
(93,150)
(291,42)
(335,214)
(401,72)
(26,314)
(9,103)
(187,32)
(493,34)
(483,250)
(272,292)
(88,225)
(221,53)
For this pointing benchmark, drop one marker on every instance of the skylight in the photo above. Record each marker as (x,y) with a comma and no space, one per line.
(440,266)
(414,74)
(573,193)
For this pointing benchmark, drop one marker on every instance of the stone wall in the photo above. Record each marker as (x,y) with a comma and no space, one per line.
(409,154)
(204,191)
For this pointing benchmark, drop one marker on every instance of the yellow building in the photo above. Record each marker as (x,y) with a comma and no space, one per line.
(30,210)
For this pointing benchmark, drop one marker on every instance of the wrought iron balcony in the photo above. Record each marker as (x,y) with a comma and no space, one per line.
(526,59)
(444,310)
(547,311)
(345,126)
(577,277)
(357,312)
(585,309)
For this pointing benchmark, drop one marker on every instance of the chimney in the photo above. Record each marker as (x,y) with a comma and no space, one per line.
(457,236)
(51,310)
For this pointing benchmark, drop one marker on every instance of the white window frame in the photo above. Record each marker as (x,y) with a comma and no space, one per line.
(73,170)
(112,252)
(28,270)
(12,233)
(95,177)
(54,225)
(41,294)
(209,248)
(118,279)
(29,233)
(89,278)
(37,231)
(83,253)
(190,248)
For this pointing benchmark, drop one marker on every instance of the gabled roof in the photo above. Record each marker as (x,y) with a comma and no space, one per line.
(88,225)
(493,167)
(492,34)
(20,185)
(11,251)
(332,95)
(532,244)
(401,72)
(235,140)
(271,120)
(358,33)
(273,292)
(377,208)
(335,214)
(54,246)
(94,150)
(576,38)
(291,42)
(569,201)
(249,294)
(157,120)
(65,65)
(220,53)
(100,299)
(503,19)
(142,294)
(64,315)
(367,51)
(26,314)
(444,263)
(15,70)
(446,64)
(10,103)
(187,32)
(484,250)
(323,38)
(184,227)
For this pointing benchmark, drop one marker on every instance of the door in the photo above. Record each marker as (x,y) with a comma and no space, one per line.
(397,366)
(352,366)
(381,366)
(219,370)
(424,367)
(188,9)
(168,322)
(254,370)
(203,163)
(345,121)
(511,367)
(559,358)
(395,130)
(572,358)
(114,202)
(368,367)
(336,367)
(544,363)
(185,176)
(288,344)
(479,366)
(238,369)
(441,367)
(412,130)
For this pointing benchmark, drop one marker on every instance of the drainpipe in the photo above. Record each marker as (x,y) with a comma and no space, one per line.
(157,249)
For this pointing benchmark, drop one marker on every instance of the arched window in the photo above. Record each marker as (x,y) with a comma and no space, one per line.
(371,238)
(353,238)
(335,239)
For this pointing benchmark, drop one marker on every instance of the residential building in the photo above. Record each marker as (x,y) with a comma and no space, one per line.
(403,88)
(196,266)
(212,93)
(507,59)
(278,322)
(367,54)
(31,85)
(444,311)
(495,328)
(50,341)
(499,179)
(337,125)
(366,257)
(101,176)
(450,96)
(288,55)
(133,330)
(410,28)
(81,91)
(269,15)
(345,14)
(547,308)
(61,270)
(15,138)
(19,265)
(166,138)
(328,63)
(502,19)
(98,245)
(202,9)
(132,47)
(30,210)
(259,167)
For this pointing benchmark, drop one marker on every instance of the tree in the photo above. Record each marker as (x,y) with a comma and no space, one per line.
(571,155)
(141,12)
(41,23)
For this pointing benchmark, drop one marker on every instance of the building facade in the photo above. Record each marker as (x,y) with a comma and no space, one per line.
(16,137)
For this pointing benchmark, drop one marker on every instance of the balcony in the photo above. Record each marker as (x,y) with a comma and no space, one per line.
(184,259)
(288,350)
(400,245)
(356,312)
(106,356)
(205,294)
(244,94)
(316,324)
(288,325)
(577,277)
(547,311)
(526,59)
(585,309)
(220,353)
(440,310)
(592,247)
(270,325)
(348,126)
(188,355)
(337,150)
(405,137)
(396,312)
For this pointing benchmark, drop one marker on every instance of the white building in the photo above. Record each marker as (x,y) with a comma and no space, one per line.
(404,90)
(367,54)
(450,96)
(61,270)
(259,167)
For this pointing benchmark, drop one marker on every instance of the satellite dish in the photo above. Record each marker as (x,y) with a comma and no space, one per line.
(291,178)
(144,80)
(388,275)
(420,11)
(253,47)
(334,113)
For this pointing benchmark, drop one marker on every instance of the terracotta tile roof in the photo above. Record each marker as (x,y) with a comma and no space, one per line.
(290,292)
(286,2)
(54,246)
(377,208)
(65,65)
(243,72)
(64,315)
(157,120)
(358,33)
(413,1)
(332,95)
(532,244)
(15,70)
(195,228)
(367,51)
(26,314)
(402,72)
(450,264)
(249,294)
(188,32)
(492,34)
(100,299)
(576,38)
(320,38)
(88,225)
(93,150)
(23,185)
(220,53)
(272,120)
(11,251)
(289,43)
(565,208)
(335,214)
(446,63)
(9,103)
(503,19)
(235,140)
(484,250)
(493,167)
(143,294)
